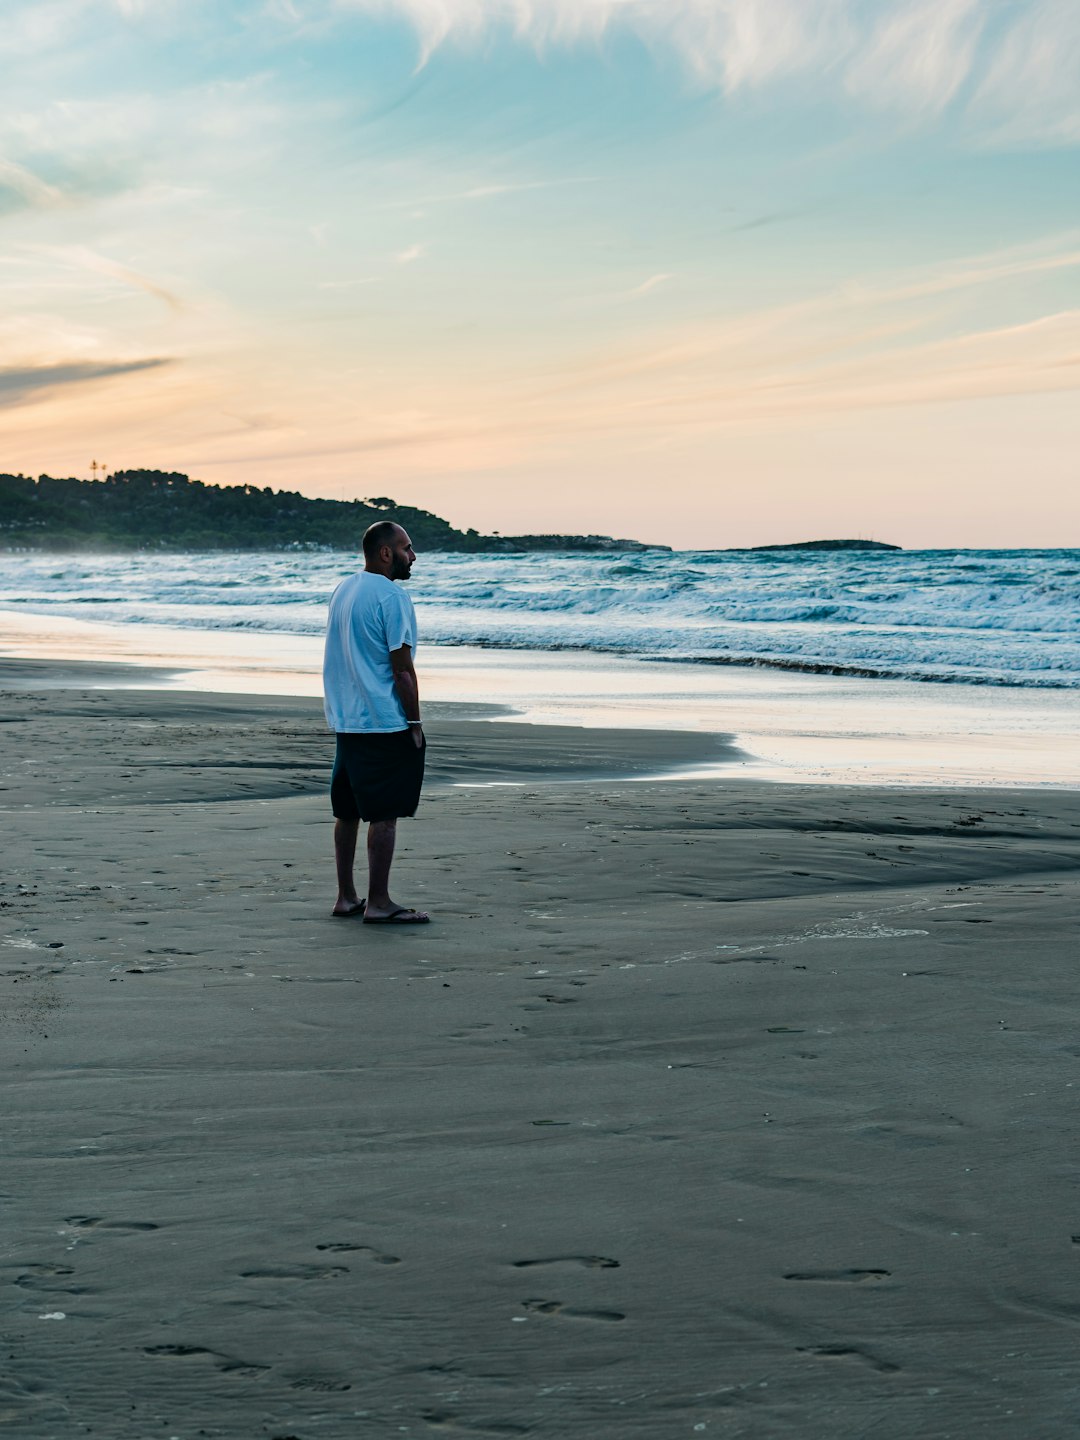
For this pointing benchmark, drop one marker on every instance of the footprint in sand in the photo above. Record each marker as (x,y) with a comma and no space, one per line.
(295,1272)
(48,1278)
(377,1256)
(841,1277)
(227,1364)
(556,1307)
(585,1262)
(849,1352)
(321,1384)
(95,1222)
(439,1420)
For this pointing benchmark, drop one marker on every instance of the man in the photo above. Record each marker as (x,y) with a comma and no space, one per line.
(373,704)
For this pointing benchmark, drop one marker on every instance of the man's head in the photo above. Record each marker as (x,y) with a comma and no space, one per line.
(388,550)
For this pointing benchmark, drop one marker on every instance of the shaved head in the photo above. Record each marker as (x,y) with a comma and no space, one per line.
(383,532)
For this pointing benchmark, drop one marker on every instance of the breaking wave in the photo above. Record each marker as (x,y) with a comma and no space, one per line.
(976,617)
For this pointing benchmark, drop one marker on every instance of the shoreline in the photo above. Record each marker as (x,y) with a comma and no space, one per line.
(794,728)
(245,747)
(722,1105)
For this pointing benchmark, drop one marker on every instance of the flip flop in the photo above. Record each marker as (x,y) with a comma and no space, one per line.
(401,916)
(349,914)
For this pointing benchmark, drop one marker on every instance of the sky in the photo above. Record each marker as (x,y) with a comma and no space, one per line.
(704,272)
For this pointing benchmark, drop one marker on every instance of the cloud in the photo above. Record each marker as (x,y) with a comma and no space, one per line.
(83,258)
(732,42)
(484,192)
(135,9)
(409,254)
(492,190)
(1038,357)
(29,186)
(650,284)
(910,340)
(919,56)
(761,222)
(1030,92)
(861,347)
(969,273)
(1010,67)
(1017,63)
(23,382)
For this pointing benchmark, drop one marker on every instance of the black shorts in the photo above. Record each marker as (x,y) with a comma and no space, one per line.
(377,777)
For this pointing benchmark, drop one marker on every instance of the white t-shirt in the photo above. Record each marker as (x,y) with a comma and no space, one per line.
(369,616)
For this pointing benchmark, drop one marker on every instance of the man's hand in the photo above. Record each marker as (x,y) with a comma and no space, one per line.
(417,733)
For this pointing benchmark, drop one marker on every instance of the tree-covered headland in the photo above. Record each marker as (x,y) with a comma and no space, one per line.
(162,510)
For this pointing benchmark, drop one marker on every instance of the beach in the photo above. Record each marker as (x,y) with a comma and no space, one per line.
(670,408)
(718,1107)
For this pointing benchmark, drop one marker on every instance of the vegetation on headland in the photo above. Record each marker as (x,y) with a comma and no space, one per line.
(160,510)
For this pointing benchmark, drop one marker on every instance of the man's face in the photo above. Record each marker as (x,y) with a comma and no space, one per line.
(402,557)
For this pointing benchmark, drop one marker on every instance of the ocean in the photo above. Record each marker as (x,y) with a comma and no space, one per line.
(944,668)
(977,617)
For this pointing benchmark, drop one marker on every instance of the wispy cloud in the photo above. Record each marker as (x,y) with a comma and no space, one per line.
(409,254)
(651,284)
(919,56)
(83,258)
(28,186)
(878,346)
(37,28)
(969,273)
(1030,91)
(485,192)
(489,191)
(859,347)
(916,58)
(19,383)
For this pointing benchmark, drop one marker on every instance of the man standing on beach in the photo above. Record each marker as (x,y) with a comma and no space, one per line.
(372,702)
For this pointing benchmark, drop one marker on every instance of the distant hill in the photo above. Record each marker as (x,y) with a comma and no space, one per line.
(162,510)
(829,545)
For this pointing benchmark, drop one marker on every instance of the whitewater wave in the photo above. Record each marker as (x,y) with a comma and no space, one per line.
(973,617)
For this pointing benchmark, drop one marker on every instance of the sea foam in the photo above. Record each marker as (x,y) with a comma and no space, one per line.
(975,616)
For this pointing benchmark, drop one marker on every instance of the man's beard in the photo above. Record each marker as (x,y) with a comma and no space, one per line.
(400,569)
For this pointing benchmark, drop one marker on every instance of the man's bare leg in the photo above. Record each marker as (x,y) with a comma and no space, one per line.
(345,833)
(381,837)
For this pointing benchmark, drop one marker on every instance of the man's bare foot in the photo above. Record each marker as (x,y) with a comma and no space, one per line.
(395,915)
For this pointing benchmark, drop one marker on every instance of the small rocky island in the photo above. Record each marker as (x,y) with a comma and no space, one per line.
(829,545)
(165,510)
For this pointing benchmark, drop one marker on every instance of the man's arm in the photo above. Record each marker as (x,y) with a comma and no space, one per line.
(401,662)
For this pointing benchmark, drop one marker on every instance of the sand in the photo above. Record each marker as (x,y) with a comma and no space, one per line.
(703,1108)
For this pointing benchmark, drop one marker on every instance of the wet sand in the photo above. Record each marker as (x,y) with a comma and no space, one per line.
(719,1108)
